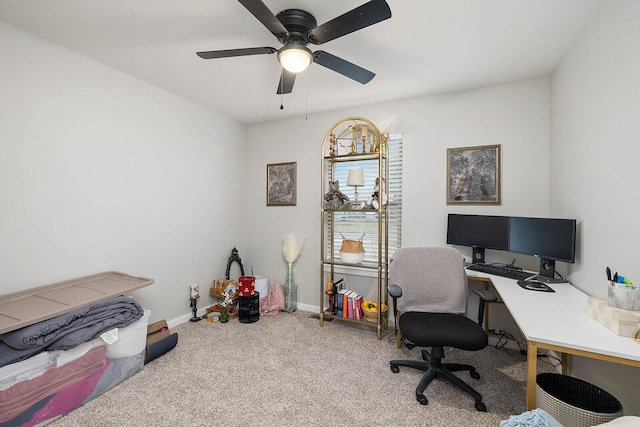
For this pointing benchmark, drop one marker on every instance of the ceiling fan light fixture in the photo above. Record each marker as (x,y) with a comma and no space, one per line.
(295,58)
(295,28)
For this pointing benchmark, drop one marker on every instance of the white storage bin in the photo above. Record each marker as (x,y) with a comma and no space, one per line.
(131,339)
(622,297)
(262,286)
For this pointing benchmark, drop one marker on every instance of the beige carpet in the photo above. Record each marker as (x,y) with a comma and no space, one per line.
(287,370)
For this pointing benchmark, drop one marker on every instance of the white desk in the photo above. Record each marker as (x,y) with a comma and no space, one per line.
(559,321)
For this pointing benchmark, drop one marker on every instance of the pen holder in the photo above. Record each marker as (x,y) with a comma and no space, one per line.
(622,297)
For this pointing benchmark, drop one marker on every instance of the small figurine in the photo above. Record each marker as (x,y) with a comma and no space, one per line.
(354,146)
(333,145)
(335,199)
(195,294)
(364,132)
(195,291)
(378,198)
(329,292)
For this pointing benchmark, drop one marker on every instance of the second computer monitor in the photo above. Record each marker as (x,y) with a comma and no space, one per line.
(550,239)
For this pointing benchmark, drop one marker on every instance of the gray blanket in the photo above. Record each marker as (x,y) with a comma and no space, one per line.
(70,329)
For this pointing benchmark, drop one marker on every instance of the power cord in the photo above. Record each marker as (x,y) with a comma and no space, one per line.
(521,354)
(555,273)
(503,339)
(512,265)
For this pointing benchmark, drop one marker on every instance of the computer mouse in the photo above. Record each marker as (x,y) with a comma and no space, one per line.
(535,285)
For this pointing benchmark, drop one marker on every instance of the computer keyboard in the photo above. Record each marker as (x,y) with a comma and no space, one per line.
(510,273)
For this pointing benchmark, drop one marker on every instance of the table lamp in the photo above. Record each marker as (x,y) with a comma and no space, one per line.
(355,179)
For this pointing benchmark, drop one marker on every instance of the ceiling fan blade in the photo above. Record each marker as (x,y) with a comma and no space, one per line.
(227,53)
(285,85)
(265,16)
(343,67)
(368,14)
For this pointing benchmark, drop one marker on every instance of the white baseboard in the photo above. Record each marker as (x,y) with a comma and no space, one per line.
(201,312)
(185,318)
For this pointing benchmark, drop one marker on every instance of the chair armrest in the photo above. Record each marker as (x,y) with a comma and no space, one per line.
(486,295)
(395,292)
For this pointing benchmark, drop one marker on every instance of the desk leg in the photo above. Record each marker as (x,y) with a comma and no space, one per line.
(532,367)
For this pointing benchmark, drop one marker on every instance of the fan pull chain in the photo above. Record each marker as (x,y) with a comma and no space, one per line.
(306,98)
(281,89)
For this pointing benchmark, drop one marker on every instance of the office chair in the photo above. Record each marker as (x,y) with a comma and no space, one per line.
(429,290)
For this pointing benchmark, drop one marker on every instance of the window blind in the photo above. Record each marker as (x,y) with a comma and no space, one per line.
(353,224)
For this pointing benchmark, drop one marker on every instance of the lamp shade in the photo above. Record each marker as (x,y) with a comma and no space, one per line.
(295,58)
(355,177)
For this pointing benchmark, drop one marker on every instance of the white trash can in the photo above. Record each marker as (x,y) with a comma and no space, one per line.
(574,402)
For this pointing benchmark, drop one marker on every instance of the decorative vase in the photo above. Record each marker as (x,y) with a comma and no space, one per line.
(224,317)
(290,291)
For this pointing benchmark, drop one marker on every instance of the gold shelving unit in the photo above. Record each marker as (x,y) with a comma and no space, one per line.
(353,140)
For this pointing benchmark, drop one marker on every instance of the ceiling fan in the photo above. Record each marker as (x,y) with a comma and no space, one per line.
(296,28)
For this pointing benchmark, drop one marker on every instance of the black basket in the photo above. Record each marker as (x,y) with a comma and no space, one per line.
(249,308)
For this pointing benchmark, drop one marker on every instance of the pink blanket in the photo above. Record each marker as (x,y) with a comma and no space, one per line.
(24,394)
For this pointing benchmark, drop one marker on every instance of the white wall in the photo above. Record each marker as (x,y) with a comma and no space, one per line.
(594,172)
(100,171)
(595,111)
(515,115)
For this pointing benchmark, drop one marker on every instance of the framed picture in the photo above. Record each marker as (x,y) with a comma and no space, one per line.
(281,184)
(473,175)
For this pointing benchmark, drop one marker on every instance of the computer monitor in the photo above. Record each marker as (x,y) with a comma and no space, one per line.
(480,232)
(550,239)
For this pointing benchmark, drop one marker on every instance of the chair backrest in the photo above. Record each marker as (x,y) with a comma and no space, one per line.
(432,279)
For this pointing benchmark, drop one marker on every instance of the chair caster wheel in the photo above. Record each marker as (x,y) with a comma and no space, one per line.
(475,375)
(481,407)
(395,369)
(422,399)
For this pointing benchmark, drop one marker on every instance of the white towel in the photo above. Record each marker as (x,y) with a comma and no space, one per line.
(535,418)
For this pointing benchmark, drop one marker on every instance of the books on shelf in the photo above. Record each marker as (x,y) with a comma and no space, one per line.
(340,302)
(347,303)
(336,287)
(357,307)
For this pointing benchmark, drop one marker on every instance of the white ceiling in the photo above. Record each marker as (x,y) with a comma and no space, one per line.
(427,47)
